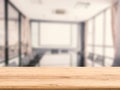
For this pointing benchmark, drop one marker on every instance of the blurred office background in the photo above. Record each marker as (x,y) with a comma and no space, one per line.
(65,33)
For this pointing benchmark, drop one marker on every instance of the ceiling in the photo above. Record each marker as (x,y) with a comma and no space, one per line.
(72,10)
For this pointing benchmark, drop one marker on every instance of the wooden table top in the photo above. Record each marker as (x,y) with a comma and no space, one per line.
(59,78)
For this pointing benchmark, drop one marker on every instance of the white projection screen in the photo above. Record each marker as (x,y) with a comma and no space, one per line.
(55,34)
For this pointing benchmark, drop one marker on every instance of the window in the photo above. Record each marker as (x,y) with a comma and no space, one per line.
(90,32)
(35,34)
(109,50)
(54,35)
(108,29)
(62,34)
(89,48)
(100,39)
(99,27)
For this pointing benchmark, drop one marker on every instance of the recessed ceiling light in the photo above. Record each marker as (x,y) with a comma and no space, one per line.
(37,1)
(60,11)
(82,4)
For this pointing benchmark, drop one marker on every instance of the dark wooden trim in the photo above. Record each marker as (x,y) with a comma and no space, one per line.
(82,44)
(19,38)
(6,33)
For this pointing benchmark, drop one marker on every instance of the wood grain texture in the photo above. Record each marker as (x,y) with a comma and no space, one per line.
(59,78)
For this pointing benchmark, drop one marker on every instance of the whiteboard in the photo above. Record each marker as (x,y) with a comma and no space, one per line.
(54,34)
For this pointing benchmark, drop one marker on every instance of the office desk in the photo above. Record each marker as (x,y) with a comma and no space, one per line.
(60,78)
(56,60)
(63,59)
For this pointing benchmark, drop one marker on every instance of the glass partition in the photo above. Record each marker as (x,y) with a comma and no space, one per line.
(13,40)
(10,34)
(100,49)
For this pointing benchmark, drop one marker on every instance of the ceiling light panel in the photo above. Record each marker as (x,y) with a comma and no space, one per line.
(82,4)
(60,11)
(37,1)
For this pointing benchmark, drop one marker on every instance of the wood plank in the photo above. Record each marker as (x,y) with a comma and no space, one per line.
(59,78)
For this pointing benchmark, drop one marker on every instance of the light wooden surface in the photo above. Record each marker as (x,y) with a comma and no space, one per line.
(59,78)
